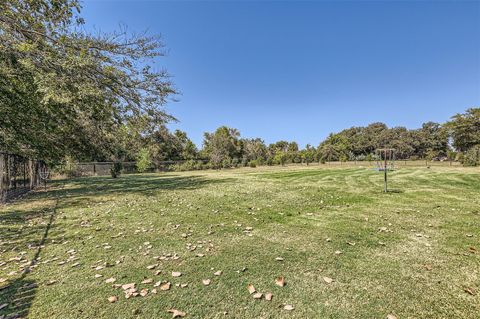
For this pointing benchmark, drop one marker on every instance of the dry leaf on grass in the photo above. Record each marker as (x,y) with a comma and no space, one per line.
(391,317)
(144,292)
(289,307)
(147,281)
(251,289)
(218,273)
(110,280)
(279,259)
(428,267)
(176,274)
(112,299)
(128,286)
(258,295)
(177,313)
(165,286)
(470,291)
(280,281)
(268,296)
(328,280)
(206,282)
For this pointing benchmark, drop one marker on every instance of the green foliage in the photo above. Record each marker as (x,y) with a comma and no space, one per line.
(222,146)
(430,140)
(68,167)
(472,156)
(280,158)
(465,129)
(144,161)
(116,169)
(65,91)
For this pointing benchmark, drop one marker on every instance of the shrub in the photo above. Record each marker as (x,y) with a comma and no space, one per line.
(280,158)
(235,162)
(361,157)
(253,164)
(144,161)
(226,163)
(244,161)
(116,169)
(70,167)
(472,156)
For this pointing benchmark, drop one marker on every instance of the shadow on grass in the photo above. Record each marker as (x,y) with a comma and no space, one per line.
(395,191)
(85,189)
(19,294)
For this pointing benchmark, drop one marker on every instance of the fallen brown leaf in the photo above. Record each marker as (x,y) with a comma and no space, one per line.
(251,289)
(128,286)
(268,296)
(470,291)
(165,286)
(176,274)
(112,299)
(258,295)
(289,307)
(280,281)
(328,280)
(177,313)
(206,282)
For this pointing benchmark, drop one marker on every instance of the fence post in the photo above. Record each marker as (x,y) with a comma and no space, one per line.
(2,184)
(24,173)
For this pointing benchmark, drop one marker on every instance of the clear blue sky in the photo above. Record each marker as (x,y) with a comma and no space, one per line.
(300,70)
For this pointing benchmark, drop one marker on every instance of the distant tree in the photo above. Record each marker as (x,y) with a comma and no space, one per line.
(144,161)
(281,158)
(465,129)
(222,146)
(308,154)
(254,150)
(336,146)
(472,156)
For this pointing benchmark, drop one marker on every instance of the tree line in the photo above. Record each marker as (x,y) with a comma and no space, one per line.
(67,94)
(458,139)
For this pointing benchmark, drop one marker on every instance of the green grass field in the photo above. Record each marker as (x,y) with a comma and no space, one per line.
(411,253)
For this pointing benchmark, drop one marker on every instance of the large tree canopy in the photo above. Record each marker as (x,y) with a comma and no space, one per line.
(66,91)
(465,129)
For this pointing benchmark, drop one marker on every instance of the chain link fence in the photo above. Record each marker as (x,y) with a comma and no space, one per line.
(104,168)
(19,174)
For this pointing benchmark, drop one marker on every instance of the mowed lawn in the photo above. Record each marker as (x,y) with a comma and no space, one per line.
(345,249)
